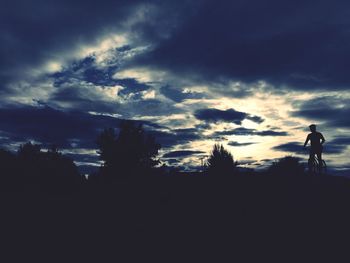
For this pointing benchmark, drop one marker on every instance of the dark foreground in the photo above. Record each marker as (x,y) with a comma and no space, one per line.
(181,219)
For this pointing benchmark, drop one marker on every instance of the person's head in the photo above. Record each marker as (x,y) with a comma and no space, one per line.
(312,127)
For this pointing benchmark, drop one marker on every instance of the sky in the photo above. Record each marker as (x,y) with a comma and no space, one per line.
(252,75)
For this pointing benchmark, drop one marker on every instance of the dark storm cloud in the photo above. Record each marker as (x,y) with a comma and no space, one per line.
(131,86)
(255,119)
(48,125)
(178,95)
(334,111)
(270,133)
(237,131)
(188,135)
(169,139)
(215,115)
(150,107)
(239,144)
(294,43)
(82,99)
(183,153)
(245,131)
(291,147)
(87,71)
(341,140)
(230,115)
(51,126)
(282,42)
(296,147)
(33,32)
(75,88)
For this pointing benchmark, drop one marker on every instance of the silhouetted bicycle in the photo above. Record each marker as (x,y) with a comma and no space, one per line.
(317,167)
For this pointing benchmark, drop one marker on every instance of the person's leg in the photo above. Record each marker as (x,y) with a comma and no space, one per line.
(319,157)
(311,160)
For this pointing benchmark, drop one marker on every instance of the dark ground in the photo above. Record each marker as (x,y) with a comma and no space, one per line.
(182,219)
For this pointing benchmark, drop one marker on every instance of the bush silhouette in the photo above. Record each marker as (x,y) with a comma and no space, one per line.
(34,169)
(288,165)
(9,167)
(221,161)
(129,152)
(59,171)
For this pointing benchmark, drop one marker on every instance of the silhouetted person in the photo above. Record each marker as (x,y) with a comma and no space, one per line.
(316,138)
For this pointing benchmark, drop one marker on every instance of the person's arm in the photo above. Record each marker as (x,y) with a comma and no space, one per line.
(306,141)
(322,139)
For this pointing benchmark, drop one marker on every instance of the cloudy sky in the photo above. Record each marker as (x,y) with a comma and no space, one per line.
(250,74)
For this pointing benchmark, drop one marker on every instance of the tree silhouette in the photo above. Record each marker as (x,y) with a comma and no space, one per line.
(288,165)
(130,152)
(107,143)
(221,161)
(33,169)
(30,165)
(29,151)
(60,172)
(9,167)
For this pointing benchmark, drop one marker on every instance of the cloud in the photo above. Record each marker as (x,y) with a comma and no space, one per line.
(84,98)
(131,86)
(48,125)
(270,133)
(85,69)
(247,163)
(99,91)
(239,144)
(296,147)
(169,139)
(237,131)
(201,39)
(333,110)
(291,147)
(245,132)
(150,107)
(261,41)
(64,29)
(182,153)
(84,158)
(89,72)
(51,126)
(65,22)
(255,119)
(341,140)
(230,115)
(179,95)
